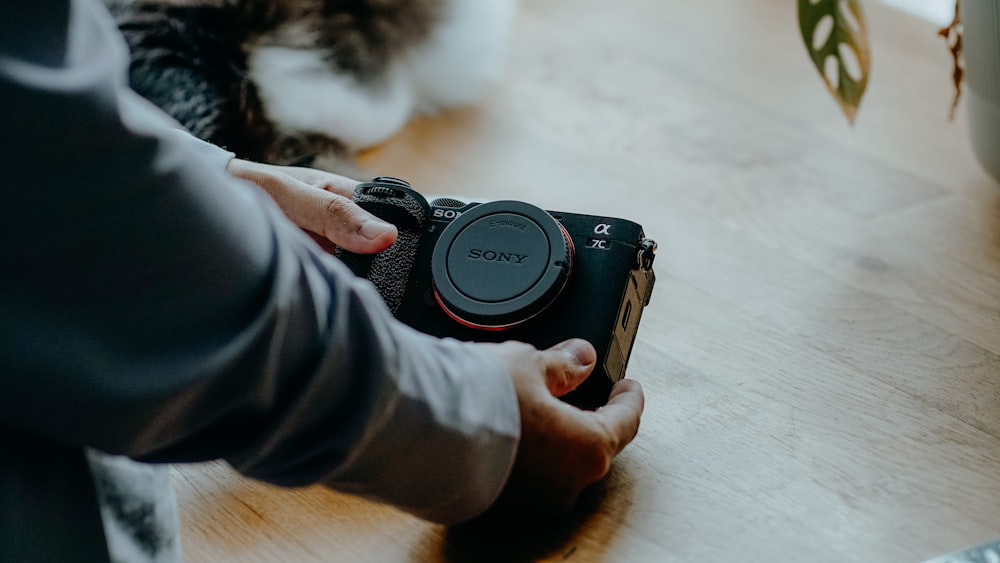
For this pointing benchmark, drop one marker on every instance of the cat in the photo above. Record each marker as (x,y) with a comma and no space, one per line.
(310,82)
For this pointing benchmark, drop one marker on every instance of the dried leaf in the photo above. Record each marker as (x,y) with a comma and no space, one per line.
(848,35)
(953,36)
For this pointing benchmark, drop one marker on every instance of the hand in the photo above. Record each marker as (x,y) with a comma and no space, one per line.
(563,449)
(320,203)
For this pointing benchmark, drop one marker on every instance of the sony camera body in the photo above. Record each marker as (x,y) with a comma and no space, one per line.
(507,270)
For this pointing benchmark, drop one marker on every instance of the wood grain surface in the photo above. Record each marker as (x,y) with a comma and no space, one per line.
(821,356)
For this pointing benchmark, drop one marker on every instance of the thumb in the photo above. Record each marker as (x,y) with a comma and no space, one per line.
(342,222)
(567,365)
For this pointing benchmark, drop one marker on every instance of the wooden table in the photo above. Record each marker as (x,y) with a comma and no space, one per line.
(821,356)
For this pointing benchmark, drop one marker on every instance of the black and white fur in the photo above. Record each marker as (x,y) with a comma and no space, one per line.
(310,81)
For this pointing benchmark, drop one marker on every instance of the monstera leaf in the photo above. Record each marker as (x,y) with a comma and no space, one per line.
(836,37)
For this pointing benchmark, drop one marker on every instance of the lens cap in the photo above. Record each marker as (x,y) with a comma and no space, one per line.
(500,263)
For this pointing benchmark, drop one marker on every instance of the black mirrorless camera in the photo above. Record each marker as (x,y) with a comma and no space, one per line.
(507,270)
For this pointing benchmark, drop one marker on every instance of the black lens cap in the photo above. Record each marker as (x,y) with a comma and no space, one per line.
(500,263)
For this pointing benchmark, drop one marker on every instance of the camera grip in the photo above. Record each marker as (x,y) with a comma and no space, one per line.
(391,200)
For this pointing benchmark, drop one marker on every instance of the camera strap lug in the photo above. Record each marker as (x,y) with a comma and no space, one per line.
(646,254)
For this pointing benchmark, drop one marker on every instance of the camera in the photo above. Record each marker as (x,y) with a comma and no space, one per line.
(507,270)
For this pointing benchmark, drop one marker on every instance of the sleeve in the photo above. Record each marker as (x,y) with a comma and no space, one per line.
(155,307)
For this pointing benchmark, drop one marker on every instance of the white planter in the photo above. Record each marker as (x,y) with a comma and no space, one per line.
(981,45)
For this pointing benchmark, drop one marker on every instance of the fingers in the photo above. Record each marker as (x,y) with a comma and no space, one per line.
(567,365)
(563,449)
(333,183)
(620,416)
(602,434)
(342,222)
(320,203)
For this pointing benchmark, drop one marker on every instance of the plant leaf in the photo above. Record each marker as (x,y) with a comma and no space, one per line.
(952,34)
(848,32)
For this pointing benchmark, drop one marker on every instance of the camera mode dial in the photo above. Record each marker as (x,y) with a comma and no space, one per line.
(500,264)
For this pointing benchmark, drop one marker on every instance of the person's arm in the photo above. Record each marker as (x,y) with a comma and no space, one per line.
(156,308)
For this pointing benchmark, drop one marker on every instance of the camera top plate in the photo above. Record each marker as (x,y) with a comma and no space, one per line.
(500,264)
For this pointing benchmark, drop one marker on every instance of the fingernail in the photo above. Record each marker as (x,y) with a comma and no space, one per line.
(581,351)
(373,229)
